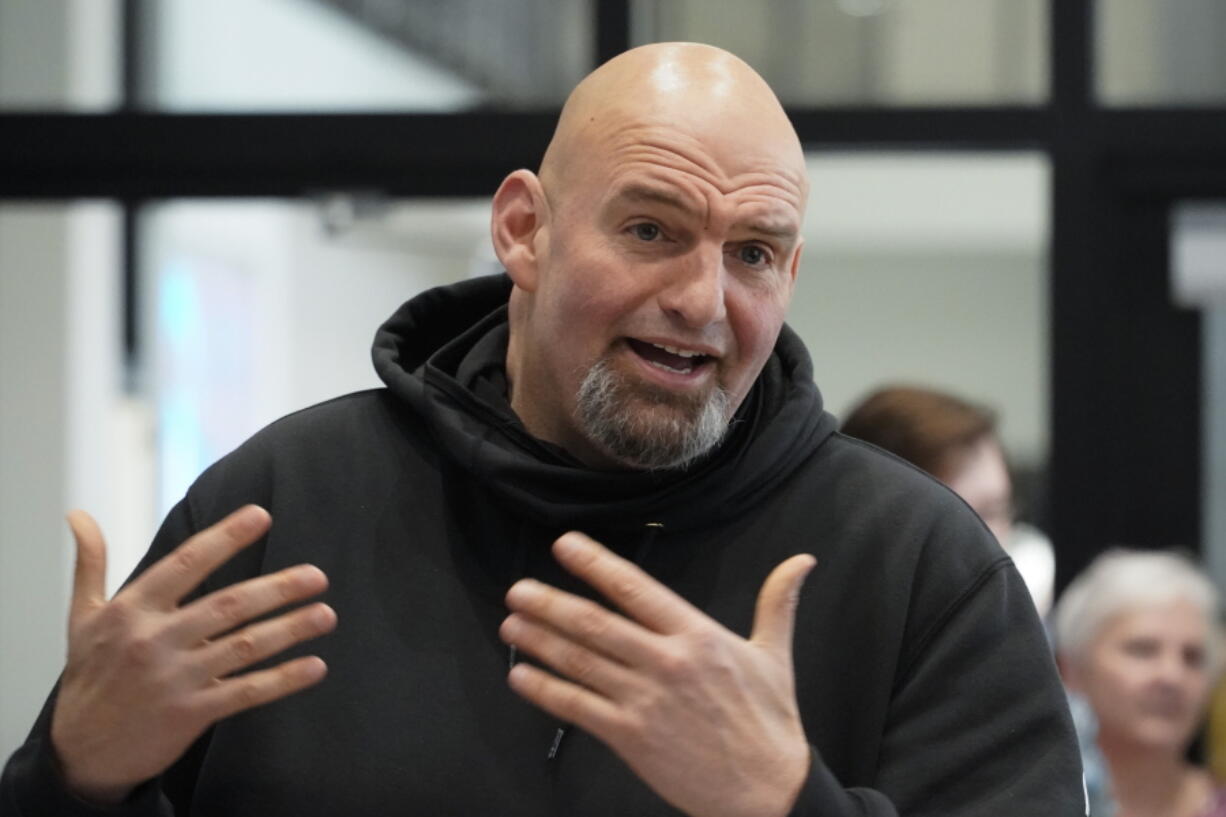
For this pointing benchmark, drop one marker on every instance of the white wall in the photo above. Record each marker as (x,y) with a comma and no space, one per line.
(310,302)
(930,269)
(33,454)
(59,347)
(65,430)
(274,55)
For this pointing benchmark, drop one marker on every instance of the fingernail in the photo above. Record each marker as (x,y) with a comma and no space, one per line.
(309,574)
(522,589)
(250,518)
(570,544)
(314,669)
(323,617)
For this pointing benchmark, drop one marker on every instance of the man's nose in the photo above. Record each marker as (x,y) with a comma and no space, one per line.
(694,291)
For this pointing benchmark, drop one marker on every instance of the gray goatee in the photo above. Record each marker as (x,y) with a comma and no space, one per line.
(646,427)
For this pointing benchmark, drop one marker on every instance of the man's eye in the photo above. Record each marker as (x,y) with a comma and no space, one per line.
(646,231)
(753,255)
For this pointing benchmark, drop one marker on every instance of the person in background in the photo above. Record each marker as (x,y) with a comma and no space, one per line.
(956,442)
(1137,640)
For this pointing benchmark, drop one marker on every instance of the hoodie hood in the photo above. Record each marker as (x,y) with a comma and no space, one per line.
(442,355)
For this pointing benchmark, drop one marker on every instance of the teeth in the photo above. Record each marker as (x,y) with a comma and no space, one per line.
(668,368)
(673,350)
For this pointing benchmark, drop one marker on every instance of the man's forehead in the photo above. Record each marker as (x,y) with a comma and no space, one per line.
(655,166)
(762,207)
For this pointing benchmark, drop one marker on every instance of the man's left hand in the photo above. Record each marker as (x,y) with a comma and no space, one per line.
(706,718)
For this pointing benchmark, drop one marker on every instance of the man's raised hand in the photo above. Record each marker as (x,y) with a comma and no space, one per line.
(706,718)
(145,677)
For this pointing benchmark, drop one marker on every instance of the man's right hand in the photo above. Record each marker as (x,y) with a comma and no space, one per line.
(146,677)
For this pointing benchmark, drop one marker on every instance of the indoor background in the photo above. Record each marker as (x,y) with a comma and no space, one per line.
(207,207)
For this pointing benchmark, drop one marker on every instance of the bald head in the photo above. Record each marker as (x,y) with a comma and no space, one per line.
(704,92)
(653,257)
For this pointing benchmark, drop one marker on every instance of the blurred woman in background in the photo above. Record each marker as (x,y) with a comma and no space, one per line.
(1137,640)
(955,441)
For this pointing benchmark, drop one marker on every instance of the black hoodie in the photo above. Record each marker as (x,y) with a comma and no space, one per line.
(923,678)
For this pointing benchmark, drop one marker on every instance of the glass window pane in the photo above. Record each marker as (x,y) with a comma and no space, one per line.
(930,269)
(330,55)
(1158,52)
(59,55)
(64,430)
(884,52)
(1198,269)
(256,308)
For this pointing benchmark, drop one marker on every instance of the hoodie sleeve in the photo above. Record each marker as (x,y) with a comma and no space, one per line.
(978,723)
(32,785)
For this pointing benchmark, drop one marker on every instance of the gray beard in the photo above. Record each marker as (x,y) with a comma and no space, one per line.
(665,430)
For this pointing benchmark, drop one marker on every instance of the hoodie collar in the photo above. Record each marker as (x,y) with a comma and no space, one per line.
(443,355)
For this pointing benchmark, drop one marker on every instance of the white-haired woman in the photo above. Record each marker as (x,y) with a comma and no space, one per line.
(1137,638)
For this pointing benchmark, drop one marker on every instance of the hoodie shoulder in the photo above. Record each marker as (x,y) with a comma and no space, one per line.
(910,527)
(347,441)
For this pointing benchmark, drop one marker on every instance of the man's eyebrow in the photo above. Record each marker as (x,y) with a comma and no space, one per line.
(781,230)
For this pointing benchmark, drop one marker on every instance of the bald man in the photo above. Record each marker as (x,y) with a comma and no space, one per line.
(562,552)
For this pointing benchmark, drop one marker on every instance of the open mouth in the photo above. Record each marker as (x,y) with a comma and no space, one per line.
(669,358)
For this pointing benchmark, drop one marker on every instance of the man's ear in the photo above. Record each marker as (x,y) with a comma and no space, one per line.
(795,270)
(519,214)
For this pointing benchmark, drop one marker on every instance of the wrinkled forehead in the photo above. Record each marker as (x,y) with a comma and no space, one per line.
(704,158)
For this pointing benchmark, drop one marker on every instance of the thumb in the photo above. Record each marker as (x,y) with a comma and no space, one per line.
(775,614)
(89,575)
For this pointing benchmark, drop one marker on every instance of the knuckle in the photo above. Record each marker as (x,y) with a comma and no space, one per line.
(184,560)
(243,648)
(247,693)
(139,650)
(180,710)
(674,665)
(707,652)
(631,725)
(590,622)
(578,664)
(115,616)
(308,624)
(227,607)
(627,589)
(570,700)
(705,644)
(285,588)
(692,654)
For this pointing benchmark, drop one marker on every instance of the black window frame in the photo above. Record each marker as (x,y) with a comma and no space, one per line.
(1125,363)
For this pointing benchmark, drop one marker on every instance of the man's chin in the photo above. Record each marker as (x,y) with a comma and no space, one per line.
(641,425)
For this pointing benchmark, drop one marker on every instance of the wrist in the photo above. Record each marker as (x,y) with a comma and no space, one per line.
(86,790)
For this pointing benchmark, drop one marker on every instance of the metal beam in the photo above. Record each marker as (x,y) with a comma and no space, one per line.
(141,155)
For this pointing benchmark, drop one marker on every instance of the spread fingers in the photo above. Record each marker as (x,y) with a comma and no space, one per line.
(264,640)
(567,701)
(175,575)
(233,606)
(566,657)
(233,695)
(584,621)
